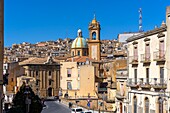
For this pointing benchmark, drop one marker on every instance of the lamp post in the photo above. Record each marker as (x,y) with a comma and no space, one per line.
(27,100)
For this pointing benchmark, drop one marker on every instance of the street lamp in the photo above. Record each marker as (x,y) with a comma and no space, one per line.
(27,100)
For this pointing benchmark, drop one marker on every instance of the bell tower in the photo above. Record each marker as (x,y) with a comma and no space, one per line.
(94,39)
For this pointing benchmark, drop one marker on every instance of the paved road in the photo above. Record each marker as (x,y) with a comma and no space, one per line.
(55,107)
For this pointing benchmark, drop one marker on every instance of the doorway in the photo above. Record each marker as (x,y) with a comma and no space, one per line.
(49,91)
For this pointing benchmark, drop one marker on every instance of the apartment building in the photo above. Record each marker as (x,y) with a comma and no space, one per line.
(149,64)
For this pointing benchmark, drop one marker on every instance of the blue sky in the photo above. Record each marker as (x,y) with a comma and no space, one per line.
(41,20)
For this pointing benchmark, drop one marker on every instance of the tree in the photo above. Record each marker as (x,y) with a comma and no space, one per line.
(19,105)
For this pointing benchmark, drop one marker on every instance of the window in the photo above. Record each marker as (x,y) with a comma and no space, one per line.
(78,53)
(12,79)
(73,53)
(49,73)
(50,82)
(36,73)
(161,75)
(135,105)
(68,72)
(69,86)
(135,53)
(161,49)
(78,72)
(146,105)
(147,75)
(37,82)
(94,36)
(147,52)
(135,74)
(85,53)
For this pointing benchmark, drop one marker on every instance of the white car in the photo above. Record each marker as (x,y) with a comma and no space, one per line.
(76,110)
(86,112)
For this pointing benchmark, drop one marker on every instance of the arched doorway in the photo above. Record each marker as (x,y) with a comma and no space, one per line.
(160,103)
(134,104)
(49,91)
(146,105)
(120,107)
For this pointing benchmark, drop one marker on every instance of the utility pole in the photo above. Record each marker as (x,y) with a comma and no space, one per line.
(1,51)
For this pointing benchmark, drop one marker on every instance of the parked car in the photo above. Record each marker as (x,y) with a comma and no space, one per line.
(76,110)
(86,112)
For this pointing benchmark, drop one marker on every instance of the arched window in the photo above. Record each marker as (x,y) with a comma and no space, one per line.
(146,105)
(94,36)
(135,104)
(160,101)
(85,53)
(78,53)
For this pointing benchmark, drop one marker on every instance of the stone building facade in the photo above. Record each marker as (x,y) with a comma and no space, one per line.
(149,62)
(46,72)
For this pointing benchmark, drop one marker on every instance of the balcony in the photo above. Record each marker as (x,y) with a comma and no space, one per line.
(133,59)
(147,83)
(159,83)
(146,58)
(133,82)
(159,56)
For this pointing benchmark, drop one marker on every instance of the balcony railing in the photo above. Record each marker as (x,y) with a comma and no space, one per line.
(133,59)
(133,82)
(145,83)
(159,83)
(145,57)
(156,83)
(159,56)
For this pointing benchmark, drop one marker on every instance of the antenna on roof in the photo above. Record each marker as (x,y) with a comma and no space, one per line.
(140,20)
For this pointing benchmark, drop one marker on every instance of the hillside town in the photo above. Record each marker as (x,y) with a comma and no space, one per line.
(128,74)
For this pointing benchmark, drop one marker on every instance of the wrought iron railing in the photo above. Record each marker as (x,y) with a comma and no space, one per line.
(147,82)
(159,55)
(133,59)
(145,57)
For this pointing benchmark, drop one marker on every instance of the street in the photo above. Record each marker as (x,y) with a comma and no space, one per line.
(55,107)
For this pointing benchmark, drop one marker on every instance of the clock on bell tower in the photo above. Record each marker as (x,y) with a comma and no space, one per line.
(94,39)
